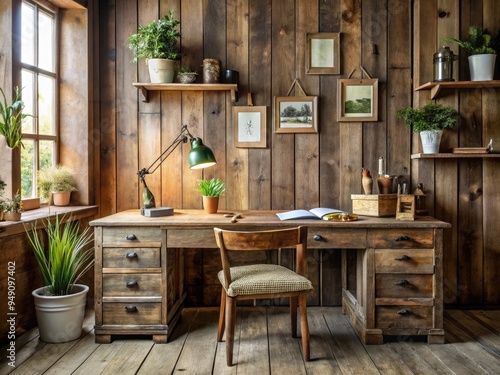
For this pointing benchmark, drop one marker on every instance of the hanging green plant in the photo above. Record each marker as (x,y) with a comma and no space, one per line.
(11,119)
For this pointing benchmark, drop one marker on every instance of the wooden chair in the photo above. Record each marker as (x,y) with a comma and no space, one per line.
(262,281)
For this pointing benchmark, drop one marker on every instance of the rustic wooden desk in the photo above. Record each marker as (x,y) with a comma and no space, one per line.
(392,283)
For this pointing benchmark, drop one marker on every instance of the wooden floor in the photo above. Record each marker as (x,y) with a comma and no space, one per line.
(263,346)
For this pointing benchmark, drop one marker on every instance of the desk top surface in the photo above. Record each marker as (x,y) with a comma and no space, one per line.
(199,219)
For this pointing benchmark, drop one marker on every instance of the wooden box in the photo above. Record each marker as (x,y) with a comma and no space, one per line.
(374,204)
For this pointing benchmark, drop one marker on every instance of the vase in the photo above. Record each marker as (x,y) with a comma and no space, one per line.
(210,204)
(162,70)
(431,139)
(482,67)
(385,184)
(367,184)
(60,318)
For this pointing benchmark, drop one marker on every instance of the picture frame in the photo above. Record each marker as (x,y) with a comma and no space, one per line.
(296,114)
(357,100)
(323,53)
(250,126)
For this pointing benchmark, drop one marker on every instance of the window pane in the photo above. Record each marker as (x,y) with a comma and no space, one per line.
(28,168)
(47,154)
(28,34)
(46,105)
(45,42)
(29,101)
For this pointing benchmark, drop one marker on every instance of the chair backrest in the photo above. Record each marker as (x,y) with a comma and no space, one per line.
(228,240)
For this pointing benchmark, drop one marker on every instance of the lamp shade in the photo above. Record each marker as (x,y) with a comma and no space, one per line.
(200,156)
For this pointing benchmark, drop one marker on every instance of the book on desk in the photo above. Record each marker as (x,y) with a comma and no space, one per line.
(317,213)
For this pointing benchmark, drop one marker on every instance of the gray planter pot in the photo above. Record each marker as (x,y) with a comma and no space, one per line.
(60,318)
(482,67)
(162,70)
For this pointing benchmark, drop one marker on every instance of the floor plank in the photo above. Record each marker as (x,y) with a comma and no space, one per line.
(263,345)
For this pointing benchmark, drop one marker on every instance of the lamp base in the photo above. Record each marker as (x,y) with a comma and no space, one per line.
(158,211)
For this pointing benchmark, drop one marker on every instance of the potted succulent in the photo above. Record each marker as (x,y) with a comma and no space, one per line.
(63,257)
(157,42)
(429,121)
(11,119)
(482,49)
(12,208)
(56,184)
(186,75)
(211,191)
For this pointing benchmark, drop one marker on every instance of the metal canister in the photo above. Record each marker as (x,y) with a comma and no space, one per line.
(443,64)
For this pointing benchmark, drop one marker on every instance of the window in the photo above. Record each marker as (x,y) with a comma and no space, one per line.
(39,93)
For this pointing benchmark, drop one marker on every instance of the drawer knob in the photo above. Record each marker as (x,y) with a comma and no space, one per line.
(318,237)
(130,237)
(405,312)
(403,238)
(130,309)
(403,257)
(131,255)
(131,284)
(402,282)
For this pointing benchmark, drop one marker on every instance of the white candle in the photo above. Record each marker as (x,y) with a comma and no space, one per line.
(381,166)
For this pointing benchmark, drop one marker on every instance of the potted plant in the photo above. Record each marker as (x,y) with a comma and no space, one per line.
(2,188)
(186,75)
(56,184)
(63,258)
(12,208)
(11,119)
(429,121)
(211,191)
(157,42)
(482,49)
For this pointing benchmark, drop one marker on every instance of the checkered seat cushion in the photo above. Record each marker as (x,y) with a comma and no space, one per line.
(264,279)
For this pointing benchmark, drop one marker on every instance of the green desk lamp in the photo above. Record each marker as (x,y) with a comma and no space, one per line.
(200,156)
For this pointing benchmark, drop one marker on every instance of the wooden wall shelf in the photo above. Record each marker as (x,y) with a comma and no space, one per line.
(455,156)
(146,87)
(436,87)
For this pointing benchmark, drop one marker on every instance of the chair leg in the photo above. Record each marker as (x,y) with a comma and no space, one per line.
(304,327)
(293,315)
(230,324)
(222,316)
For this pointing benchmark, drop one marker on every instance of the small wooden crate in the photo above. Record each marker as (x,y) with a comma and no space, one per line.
(374,204)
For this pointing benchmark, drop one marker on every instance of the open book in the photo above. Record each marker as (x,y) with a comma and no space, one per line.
(313,213)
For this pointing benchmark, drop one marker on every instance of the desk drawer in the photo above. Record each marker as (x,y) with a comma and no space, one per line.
(120,313)
(404,261)
(401,239)
(130,235)
(395,317)
(121,285)
(191,238)
(403,286)
(137,257)
(321,238)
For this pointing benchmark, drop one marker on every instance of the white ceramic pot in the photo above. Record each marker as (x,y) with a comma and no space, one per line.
(60,318)
(61,198)
(162,70)
(482,67)
(431,139)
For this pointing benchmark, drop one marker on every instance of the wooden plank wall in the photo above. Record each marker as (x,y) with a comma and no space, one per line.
(265,41)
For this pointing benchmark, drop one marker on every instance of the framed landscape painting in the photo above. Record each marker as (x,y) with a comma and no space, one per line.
(357,100)
(250,126)
(296,114)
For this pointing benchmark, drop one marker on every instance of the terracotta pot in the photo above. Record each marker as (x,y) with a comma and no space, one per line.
(61,198)
(12,216)
(210,204)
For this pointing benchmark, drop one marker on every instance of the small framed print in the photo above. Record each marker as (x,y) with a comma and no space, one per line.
(323,53)
(250,126)
(296,114)
(357,100)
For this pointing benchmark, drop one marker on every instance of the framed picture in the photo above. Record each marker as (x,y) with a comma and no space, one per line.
(357,100)
(250,126)
(323,53)
(296,114)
